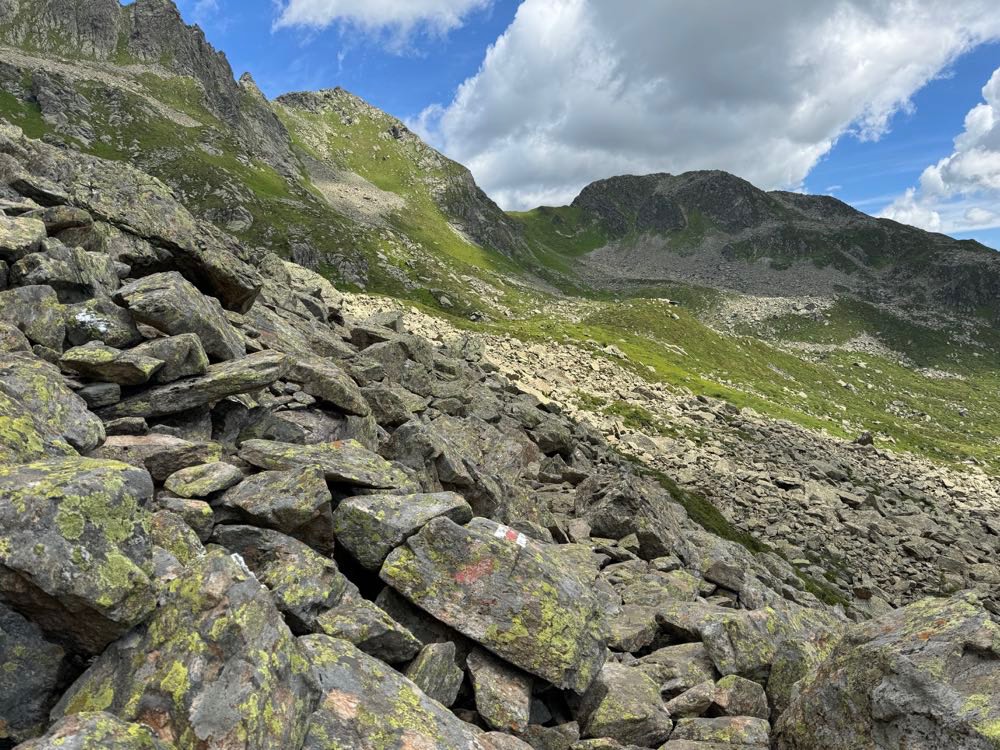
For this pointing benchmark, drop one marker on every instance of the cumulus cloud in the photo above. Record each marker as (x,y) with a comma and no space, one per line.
(576,90)
(399,17)
(961,191)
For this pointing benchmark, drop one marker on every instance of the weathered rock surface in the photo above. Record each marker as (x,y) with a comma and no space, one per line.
(105,363)
(364,704)
(225,379)
(41,392)
(625,705)
(32,677)
(203,480)
(75,552)
(215,667)
(346,462)
(170,303)
(296,502)
(371,526)
(95,729)
(507,592)
(923,676)
(435,673)
(503,693)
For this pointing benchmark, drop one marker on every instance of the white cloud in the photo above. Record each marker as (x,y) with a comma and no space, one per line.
(399,17)
(577,90)
(963,189)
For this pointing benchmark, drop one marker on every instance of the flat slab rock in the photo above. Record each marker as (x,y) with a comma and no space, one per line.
(507,592)
(346,461)
(249,373)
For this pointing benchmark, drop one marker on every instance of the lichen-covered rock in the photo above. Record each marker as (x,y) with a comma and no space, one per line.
(344,461)
(203,480)
(741,731)
(366,705)
(214,668)
(32,672)
(434,671)
(625,705)
(182,356)
(160,455)
(37,313)
(24,437)
(19,236)
(170,532)
(327,382)
(40,389)
(303,583)
(678,668)
(693,702)
(75,274)
(173,305)
(735,696)
(371,526)
(368,627)
(920,677)
(745,642)
(225,379)
(503,693)
(100,319)
(508,592)
(294,502)
(74,547)
(12,340)
(105,363)
(472,457)
(97,730)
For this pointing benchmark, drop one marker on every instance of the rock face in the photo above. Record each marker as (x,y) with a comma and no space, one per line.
(97,730)
(74,548)
(36,385)
(924,676)
(33,673)
(509,593)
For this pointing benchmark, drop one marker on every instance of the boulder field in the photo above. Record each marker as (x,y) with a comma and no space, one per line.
(232,516)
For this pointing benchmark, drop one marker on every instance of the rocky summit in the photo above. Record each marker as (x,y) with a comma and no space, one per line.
(244,509)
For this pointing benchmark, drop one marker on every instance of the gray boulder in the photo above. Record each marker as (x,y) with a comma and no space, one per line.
(508,592)
(371,526)
(172,304)
(214,668)
(920,677)
(74,548)
(364,704)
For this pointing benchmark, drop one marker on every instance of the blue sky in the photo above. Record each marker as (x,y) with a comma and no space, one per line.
(858,104)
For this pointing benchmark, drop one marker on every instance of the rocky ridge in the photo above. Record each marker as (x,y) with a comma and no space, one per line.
(714,229)
(232,515)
